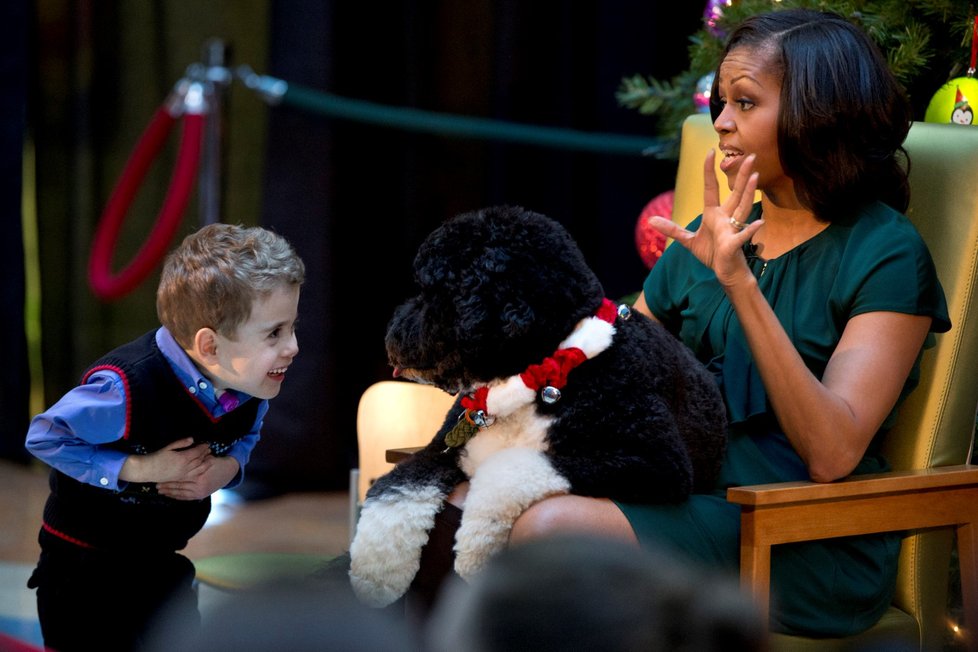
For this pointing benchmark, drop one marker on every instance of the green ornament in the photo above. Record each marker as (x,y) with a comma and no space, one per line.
(954,102)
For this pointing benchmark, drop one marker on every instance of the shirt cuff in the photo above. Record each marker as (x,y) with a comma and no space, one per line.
(241,458)
(105,472)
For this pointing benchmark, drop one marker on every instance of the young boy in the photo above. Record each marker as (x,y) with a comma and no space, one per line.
(153,429)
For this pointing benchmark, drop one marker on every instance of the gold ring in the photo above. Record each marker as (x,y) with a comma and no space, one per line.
(737,225)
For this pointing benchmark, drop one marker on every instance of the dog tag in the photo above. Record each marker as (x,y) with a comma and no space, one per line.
(462,432)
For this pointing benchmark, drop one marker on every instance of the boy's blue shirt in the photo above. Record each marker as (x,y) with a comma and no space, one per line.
(68,435)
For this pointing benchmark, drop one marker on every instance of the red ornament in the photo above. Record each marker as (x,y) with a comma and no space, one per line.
(651,243)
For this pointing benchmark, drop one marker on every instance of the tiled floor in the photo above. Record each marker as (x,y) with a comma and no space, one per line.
(316,523)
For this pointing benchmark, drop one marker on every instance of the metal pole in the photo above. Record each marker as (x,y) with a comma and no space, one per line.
(216,78)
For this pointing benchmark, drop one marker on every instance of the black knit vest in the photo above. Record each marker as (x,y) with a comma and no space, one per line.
(160,410)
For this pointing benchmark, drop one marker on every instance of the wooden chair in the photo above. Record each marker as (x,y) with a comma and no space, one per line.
(392,414)
(933,491)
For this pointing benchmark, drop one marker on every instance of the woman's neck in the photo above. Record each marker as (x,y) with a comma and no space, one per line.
(786,225)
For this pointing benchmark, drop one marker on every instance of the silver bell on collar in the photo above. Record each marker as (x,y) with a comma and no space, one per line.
(550,394)
(624,311)
(481,419)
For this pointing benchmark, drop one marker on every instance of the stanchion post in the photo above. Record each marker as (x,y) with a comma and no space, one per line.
(216,78)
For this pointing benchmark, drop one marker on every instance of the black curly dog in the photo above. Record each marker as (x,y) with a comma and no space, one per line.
(559,392)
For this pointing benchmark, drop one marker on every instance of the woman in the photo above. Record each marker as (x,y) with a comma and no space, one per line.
(811,307)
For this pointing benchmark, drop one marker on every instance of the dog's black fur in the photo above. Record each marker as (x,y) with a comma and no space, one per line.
(500,289)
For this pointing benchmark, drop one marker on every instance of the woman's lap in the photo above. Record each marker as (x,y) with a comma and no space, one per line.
(835,587)
(704,529)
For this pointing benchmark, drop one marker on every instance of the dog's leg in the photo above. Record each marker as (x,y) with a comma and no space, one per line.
(503,487)
(386,551)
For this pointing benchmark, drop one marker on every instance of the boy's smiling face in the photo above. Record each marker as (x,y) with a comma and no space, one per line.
(255,361)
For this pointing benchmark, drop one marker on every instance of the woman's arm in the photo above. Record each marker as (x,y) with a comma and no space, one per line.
(643,307)
(831,421)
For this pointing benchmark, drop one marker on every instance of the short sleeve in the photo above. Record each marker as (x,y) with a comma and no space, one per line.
(661,287)
(669,283)
(890,269)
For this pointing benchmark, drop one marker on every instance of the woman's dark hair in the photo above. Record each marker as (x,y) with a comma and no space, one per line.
(843,116)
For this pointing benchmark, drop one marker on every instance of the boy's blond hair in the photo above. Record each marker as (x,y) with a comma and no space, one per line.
(214,277)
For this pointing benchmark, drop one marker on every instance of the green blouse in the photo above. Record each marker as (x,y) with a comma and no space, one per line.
(875,262)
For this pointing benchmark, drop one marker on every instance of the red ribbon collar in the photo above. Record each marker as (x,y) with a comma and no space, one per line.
(551,372)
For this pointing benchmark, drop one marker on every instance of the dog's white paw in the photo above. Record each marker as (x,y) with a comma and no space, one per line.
(506,484)
(476,541)
(374,594)
(386,551)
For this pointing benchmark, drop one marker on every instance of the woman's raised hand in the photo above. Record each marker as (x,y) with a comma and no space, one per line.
(723,232)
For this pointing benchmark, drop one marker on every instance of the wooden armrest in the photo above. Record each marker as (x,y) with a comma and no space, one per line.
(805,511)
(858,485)
(885,502)
(395,455)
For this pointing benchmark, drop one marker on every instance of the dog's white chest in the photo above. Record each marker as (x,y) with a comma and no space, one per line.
(524,428)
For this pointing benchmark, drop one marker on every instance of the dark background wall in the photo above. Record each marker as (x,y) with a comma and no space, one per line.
(14,375)
(355,199)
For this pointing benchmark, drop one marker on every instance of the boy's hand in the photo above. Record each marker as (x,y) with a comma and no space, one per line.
(220,471)
(179,460)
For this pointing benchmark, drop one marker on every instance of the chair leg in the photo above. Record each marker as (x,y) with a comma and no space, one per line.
(755,563)
(354,502)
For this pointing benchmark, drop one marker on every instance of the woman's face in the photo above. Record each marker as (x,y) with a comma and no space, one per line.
(750,95)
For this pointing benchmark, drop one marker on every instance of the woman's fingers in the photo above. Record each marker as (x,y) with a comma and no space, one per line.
(668,228)
(739,203)
(746,203)
(739,192)
(750,230)
(711,187)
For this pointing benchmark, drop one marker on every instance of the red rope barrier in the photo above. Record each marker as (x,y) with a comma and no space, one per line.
(106,285)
